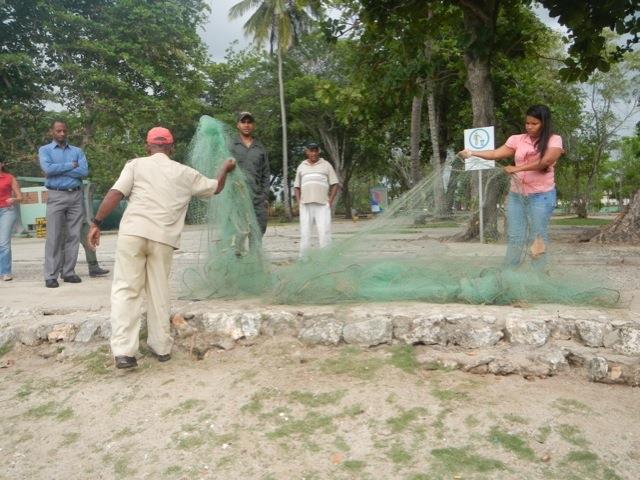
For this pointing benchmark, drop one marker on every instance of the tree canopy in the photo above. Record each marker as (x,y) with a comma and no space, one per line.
(114,68)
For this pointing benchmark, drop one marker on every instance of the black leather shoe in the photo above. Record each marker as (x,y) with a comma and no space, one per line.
(72,279)
(122,361)
(51,283)
(161,358)
(98,272)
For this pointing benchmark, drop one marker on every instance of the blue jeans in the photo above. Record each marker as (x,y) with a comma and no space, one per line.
(8,217)
(527,218)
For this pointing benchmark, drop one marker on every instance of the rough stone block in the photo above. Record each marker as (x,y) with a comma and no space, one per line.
(7,336)
(280,323)
(562,327)
(226,324)
(369,332)
(611,338)
(598,369)
(63,332)
(472,333)
(88,330)
(502,366)
(323,329)
(629,341)
(533,332)
(250,323)
(591,332)
(105,329)
(457,318)
(32,335)
(426,329)
(555,359)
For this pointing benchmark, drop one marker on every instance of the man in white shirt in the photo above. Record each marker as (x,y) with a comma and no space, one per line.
(159,190)
(315,187)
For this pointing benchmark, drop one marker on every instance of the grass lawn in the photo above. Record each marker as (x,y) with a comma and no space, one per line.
(581,222)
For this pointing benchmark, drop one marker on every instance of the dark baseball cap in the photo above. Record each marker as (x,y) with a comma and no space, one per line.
(312,146)
(243,115)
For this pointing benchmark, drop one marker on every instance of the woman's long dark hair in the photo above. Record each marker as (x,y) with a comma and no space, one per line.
(542,113)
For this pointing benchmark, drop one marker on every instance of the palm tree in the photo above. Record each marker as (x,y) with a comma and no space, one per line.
(280,22)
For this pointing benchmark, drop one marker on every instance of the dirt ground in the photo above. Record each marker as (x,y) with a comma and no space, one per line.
(277,409)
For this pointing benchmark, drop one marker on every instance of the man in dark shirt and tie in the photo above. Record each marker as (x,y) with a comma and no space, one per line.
(64,166)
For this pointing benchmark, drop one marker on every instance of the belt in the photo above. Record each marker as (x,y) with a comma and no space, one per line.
(75,189)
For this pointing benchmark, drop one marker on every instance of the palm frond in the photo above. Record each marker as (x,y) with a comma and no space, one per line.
(242,7)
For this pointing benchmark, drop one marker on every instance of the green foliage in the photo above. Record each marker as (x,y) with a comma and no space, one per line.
(351,362)
(404,358)
(513,443)
(52,410)
(354,465)
(399,455)
(569,405)
(406,418)
(572,434)
(117,68)
(317,399)
(310,424)
(589,166)
(5,348)
(185,407)
(461,460)
(586,465)
(577,221)
(588,49)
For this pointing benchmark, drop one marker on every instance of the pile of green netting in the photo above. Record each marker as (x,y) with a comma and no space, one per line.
(389,259)
(232,262)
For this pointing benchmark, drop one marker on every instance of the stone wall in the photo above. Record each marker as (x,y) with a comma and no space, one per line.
(479,339)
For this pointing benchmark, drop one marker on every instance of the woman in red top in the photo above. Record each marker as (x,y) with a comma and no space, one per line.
(10,195)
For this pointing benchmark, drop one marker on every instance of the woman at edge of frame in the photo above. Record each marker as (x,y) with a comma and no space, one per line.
(10,196)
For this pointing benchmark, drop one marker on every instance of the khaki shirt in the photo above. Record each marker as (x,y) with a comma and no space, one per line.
(314,181)
(159,191)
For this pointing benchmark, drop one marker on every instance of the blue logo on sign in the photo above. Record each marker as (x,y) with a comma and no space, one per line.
(479,138)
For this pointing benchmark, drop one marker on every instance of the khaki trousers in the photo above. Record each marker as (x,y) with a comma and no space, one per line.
(142,265)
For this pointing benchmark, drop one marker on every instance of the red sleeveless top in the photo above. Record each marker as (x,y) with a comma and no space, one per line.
(6,179)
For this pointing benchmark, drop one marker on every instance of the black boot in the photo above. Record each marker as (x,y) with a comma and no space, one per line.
(96,271)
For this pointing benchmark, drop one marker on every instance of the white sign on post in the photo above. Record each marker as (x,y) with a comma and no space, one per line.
(479,139)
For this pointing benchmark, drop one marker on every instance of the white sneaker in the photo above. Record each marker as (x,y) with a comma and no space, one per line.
(7,278)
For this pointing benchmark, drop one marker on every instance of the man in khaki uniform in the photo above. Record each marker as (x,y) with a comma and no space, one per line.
(159,190)
(315,187)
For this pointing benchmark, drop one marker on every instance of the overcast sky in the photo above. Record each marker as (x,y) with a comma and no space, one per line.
(220,32)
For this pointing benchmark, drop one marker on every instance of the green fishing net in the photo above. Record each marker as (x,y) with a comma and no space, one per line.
(410,252)
(232,262)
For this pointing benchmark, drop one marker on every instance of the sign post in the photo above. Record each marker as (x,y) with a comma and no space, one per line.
(479,139)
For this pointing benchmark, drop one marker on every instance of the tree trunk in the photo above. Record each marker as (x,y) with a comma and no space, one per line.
(625,228)
(285,150)
(335,153)
(438,186)
(581,206)
(346,198)
(479,19)
(416,129)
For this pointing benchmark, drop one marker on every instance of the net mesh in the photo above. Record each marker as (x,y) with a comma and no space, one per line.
(407,253)
(231,261)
